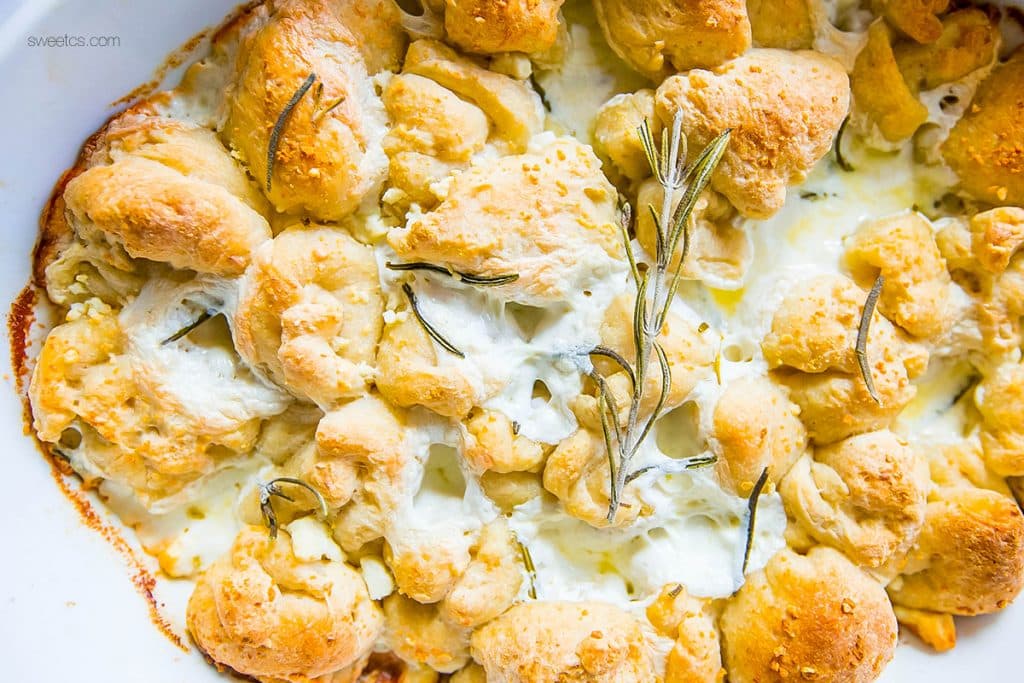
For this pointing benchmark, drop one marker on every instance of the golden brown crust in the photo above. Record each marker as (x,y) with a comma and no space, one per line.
(168,191)
(813,617)
(264,613)
(785,24)
(880,91)
(1000,400)
(554,237)
(864,495)
(309,313)
(328,157)
(775,140)
(490,26)
(696,653)
(986,146)
(513,107)
(655,36)
(969,558)
(916,18)
(968,42)
(754,426)
(559,642)
(917,291)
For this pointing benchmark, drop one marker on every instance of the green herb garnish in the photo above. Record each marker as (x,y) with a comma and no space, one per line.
(427,327)
(206,315)
(272,489)
(841,160)
(468,278)
(862,337)
(282,120)
(531,569)
(751,516)
(656,288)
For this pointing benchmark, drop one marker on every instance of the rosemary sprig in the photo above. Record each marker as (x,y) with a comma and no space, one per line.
(208,314)
(272,489)
(841,160)
(427,327)
(282,120)
(531,569)
(468,278)
(656,288)
(751,516)
(862,337)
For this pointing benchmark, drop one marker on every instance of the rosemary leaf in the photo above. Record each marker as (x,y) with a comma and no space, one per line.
(674,466)
(183,332)
(751,517)
(468,278)
(862,337)
(614,355)
(841,161)
(282,120)
(625,221)
(272,489)
(531,569)
(427,327)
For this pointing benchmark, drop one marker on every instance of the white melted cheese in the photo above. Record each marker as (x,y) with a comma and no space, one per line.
(510,347)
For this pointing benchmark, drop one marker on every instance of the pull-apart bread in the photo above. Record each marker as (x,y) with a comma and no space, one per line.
(534,341)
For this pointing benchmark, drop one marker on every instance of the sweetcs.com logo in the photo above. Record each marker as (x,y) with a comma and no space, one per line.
(70,40)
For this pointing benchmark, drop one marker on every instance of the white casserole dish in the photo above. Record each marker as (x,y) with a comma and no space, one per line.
(69,606)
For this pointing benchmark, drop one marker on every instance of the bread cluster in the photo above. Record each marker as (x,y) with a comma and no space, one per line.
(321,140)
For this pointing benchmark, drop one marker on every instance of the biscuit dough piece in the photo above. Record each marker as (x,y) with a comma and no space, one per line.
(427,630)
(969,558)
(361,444)
(490,444)
(616,140)
(785,24)
(865,496)
(487,27)
(968,42)
(551,642)
(656,37)
(986,146)
(513,107)
(775,140)
(556,237)
(808,617)
(917,293)
(982,258)
(433,133)
(1000,400)
(329,154)
(696,655)
(168,191)
(690,354)
(136,424)
(417,633)
(719,252)
(409,372)
(267,614)
(309,313)
(880,91)
(916,18)
(754,426)
(814,331)
(577,474)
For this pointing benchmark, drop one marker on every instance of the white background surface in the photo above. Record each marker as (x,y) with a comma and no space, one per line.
(68,610)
